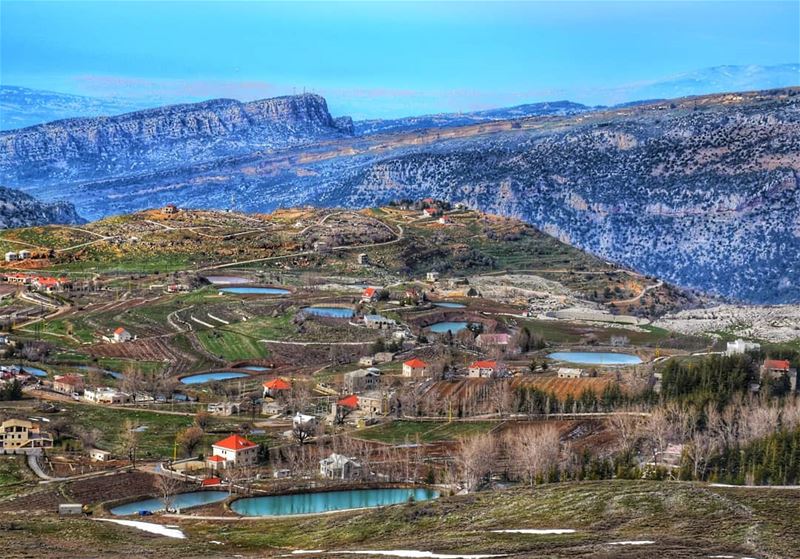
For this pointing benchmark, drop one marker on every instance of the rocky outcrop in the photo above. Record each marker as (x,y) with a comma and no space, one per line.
(92,148)
(18,209)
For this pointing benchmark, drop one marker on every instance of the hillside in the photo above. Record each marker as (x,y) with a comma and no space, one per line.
(102,147)
(18,209)
(660,187)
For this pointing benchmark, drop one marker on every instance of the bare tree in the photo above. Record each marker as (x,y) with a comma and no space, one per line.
(534,452)
(129,440)
(189,439)
(475,459)
(167,487)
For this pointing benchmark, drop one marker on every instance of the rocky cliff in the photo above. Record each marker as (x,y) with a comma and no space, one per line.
(18,209)
(102,147)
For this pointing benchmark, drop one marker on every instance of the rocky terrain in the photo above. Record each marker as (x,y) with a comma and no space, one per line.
(701,191)
(103,147)
(560,108)
(18,209)
(774,323)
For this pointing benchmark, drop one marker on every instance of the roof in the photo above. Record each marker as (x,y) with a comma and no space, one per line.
(369,291)
(781,364)
(235,442)
(349,401)
(416,363)
(216,458)
(120,330)
(69,379)
(211,481)
(483,365)
(277,384)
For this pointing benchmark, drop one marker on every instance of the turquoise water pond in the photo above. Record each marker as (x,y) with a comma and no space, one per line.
(446,305)
(181,501)
(330,312)
(227,280)
(310,503)
(591,358)
(443,327)
(34,371)
(255,290)
(208,377)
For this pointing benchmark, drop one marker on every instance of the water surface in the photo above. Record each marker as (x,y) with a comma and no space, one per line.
(591,358)
(448,305)
(208,377)
(443,327)
(180,501)
(310,503)
(330,312)
(255,290)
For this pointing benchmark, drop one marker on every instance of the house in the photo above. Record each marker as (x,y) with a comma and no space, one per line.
(369,295)
(276,387)
(775,368)
(383,357)
(272,407)
(486,369)
(361,380)
(18,279)
(170,209)
(338,466)
(344,407)
(487,341)
(740,347)
(432,277)
(122,335)
(12,257)
(68,384)
(24,254)
(224,409)
(445,220)
(46,283)
(378,322)
(236,450)
(363,259)
(97,455)
(566,372)
(415,368)
(431,212)
(372,404)
(215,462)
(306,422)
(105,395)
(23,434)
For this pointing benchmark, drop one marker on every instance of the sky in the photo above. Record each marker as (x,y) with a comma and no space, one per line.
(383,59)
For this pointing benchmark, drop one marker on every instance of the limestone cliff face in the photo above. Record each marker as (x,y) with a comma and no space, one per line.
(18,209)
(110,146)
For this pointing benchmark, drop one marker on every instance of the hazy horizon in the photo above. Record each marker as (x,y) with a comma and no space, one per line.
(385,59)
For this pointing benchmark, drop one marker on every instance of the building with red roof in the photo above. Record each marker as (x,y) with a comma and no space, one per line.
(274,387)
(350,402)
(485,369)
(236,450)
(416,368)
(68,384)
(211,482)
(122,335)
(369,295)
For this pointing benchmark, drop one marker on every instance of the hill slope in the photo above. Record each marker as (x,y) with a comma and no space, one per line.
(18,209)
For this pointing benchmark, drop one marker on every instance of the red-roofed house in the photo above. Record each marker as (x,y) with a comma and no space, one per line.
(779,368)
(274,387)
(416,368)
(236,450)
(68,384)
(369,295)
(485,369)
(122,335)
(215,462)
(344,407)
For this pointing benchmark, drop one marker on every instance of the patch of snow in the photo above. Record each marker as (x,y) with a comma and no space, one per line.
(150,527)
(721,557)
(633,542)
(536,531)
(416,554)
(301,551)
(215,542)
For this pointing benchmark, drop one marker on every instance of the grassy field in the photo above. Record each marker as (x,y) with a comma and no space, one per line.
(13,471)
(398,432)
(231,346)
(684,521)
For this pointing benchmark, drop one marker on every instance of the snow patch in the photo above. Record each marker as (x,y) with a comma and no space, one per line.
(302,551)
(416,554)
(633,542)
(150,527)
(536,531)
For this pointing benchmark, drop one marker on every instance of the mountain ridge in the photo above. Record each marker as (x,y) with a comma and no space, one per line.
(18,209)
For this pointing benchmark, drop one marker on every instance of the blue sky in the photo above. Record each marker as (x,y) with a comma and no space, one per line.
(381,58)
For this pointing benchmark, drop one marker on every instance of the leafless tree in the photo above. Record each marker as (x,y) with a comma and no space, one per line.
(534,451)
(167,487)
(475,459)
(129,441)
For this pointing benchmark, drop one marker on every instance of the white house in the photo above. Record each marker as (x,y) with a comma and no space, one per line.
(338,466)
(236,450)
(486,369)
(566,372)
(11,257)
(97,455)
(378,322)
(740,346)
(122,335)
(105,395)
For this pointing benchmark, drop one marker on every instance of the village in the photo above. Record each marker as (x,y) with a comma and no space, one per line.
(351,370)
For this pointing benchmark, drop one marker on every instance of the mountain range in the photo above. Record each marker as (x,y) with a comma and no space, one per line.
(18,209)
(702,191)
